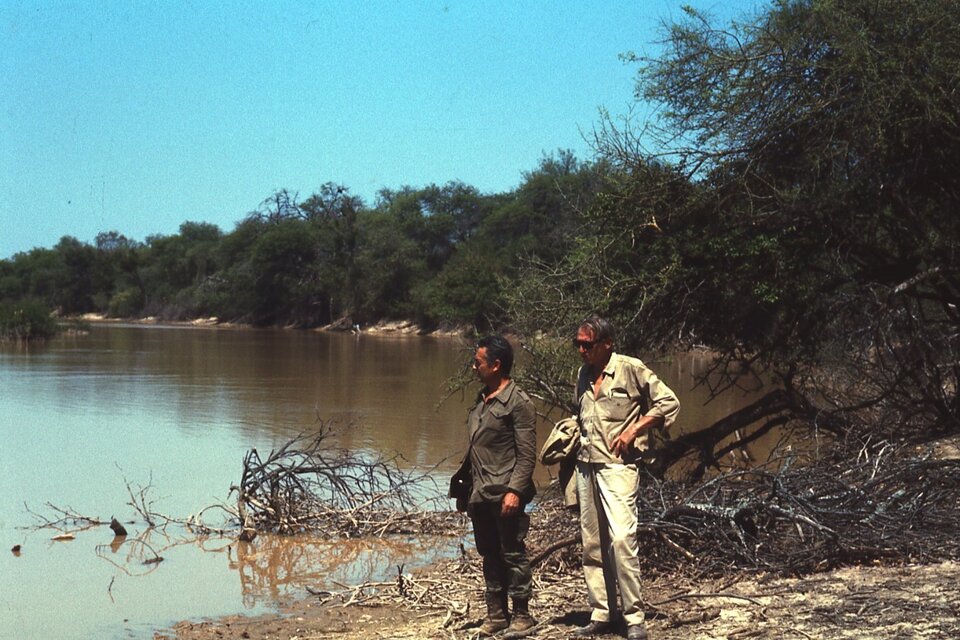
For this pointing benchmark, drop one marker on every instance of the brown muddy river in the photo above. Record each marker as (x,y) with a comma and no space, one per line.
(175,410)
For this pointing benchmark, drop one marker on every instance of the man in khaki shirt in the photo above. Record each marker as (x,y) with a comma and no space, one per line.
(620,400)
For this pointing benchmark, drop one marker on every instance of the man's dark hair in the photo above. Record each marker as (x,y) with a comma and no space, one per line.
(600,328)
(498,349)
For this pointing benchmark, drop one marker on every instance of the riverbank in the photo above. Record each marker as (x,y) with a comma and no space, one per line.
(884,598)
(877,602)
(383,327)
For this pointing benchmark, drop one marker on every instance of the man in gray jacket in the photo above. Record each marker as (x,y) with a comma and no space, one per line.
(495,482)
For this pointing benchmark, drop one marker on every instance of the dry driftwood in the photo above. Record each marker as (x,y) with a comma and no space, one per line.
(888,503)
(308,485)
(698,541)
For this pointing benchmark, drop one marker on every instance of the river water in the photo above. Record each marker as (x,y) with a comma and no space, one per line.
(171,411)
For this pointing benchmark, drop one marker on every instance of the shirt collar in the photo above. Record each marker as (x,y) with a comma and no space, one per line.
(504,396)
(611,364)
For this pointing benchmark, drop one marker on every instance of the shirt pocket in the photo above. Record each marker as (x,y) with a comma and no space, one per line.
(617,406)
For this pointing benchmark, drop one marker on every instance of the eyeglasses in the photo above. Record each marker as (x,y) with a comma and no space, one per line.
(586,345)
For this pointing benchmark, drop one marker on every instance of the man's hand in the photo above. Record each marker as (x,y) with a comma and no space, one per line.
(510,504)
(625,440)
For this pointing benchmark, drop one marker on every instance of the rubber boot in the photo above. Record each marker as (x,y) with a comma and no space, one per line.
(496,620)
(521,621)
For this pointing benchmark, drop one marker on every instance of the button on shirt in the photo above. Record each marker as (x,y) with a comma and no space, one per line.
(628,391)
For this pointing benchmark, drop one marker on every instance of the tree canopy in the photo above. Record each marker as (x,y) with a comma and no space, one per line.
(799,219)
(435,254)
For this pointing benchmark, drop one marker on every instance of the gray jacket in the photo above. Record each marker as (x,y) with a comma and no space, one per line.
(503,447)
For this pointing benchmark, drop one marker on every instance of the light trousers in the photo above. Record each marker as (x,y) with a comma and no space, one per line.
(608,524)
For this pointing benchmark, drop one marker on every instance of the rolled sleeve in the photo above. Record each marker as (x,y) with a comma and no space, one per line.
(663,401)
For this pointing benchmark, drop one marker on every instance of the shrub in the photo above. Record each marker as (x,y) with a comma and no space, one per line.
(26,320)
(126,304)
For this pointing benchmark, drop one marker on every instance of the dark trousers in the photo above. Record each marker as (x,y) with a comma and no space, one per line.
(506,567)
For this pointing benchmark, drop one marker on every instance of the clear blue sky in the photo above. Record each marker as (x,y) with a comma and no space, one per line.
(136,116)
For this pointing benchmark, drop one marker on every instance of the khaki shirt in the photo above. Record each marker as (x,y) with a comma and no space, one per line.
(503,446)
(628,391)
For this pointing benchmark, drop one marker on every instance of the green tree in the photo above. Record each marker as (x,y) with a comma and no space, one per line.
(467,290)
(832,132)
(173,267)
(284,287)
(390,267)
(806,230)
(541,217)
(12,285)
(26,320)
(75,287)
(432,235)
(335,214)
(229,293)
(438,218)
(39,272)
(116,279)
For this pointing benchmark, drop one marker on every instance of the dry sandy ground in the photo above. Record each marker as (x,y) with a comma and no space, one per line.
(913,601)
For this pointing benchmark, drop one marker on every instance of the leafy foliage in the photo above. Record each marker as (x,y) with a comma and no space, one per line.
(805,228)
(434,254)
(28,320)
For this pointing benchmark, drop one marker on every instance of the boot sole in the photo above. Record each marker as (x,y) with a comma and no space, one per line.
(511,635)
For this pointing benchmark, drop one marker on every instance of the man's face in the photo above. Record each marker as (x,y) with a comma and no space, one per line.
(485,372)
(595,354)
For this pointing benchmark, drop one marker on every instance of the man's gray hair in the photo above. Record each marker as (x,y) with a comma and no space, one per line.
(600,328)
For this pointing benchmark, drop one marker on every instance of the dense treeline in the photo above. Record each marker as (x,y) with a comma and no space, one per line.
(433,254)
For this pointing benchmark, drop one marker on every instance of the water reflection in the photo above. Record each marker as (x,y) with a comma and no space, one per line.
(273,568)
(383,390)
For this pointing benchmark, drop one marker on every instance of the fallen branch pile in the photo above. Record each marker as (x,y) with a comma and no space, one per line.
(886,503)
(700,543)
(307,485)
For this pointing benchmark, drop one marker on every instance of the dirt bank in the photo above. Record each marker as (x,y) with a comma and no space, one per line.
(383,327)
(877,602)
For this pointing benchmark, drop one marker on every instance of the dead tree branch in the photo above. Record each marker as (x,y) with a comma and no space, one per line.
(308,485)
